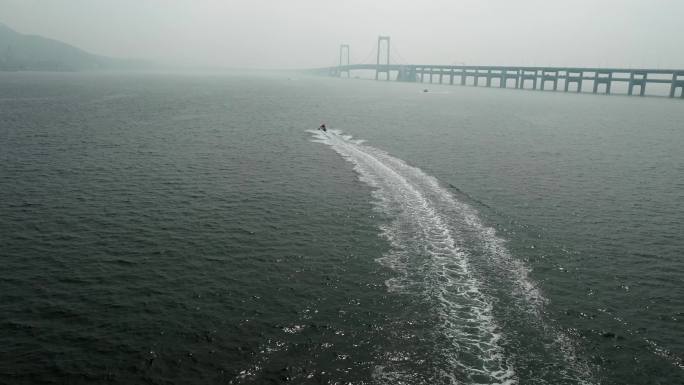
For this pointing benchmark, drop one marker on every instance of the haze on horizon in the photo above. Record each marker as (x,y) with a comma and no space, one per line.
(307,33)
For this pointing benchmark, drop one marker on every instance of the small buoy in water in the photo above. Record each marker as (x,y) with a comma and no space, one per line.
(425,90)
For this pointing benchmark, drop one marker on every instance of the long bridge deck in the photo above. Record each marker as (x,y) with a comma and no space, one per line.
(524,77)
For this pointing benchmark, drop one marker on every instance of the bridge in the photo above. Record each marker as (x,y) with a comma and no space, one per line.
(567,79)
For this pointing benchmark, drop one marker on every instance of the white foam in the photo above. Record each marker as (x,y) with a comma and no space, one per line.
(419,231)
(427,220)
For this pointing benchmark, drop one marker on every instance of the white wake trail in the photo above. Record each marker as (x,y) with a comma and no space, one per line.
(436,241)
(431,264)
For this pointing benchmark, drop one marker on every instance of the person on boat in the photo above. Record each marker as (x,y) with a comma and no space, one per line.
(323,128)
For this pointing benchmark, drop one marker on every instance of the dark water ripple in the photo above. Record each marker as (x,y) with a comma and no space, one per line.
(143,241)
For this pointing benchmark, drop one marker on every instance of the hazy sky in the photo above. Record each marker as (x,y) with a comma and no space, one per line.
(307,33)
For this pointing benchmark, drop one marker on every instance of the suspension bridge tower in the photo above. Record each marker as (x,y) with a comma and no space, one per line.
(344,61)
(383,62)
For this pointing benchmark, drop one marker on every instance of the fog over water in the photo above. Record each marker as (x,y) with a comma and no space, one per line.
(307,33)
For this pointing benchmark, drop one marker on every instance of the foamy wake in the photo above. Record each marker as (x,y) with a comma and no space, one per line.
(431,262)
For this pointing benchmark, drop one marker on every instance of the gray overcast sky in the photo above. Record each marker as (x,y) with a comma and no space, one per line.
(307,33)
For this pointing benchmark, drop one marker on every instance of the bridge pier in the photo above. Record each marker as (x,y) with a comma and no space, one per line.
(479,75)
(509,74)
(602,77)
(637,79)
(451,77)
(406,74)
(465,74)
(573,77)
(528,75)
(551,76)
(677,82)
(441,75)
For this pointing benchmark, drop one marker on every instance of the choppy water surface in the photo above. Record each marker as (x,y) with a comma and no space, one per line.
(198,229)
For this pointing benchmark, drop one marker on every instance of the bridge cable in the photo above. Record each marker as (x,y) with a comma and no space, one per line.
(395,50)
(369,56)
(395,60)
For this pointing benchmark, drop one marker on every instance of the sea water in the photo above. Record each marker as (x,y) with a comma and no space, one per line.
(197,228)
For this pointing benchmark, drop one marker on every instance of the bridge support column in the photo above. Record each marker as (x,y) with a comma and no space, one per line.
(441,75)
(602,77)
(637,79)
(551,76)
(496,74)
(431,71)
(573,77)
(451,77)
(509,74)
(677,83)
(411,74)
(476,78)
(517,78)
(463,76)
(406,74)
(501,75)
(528,75)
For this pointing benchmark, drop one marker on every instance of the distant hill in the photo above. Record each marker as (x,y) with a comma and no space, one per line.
(19,52)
